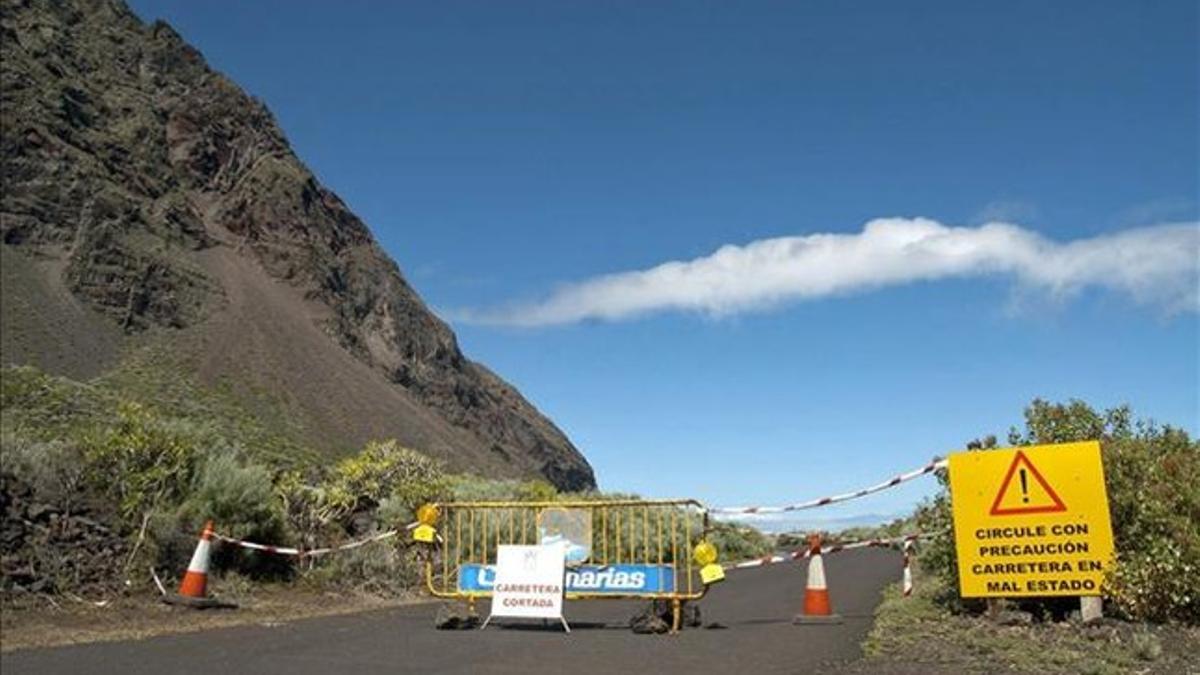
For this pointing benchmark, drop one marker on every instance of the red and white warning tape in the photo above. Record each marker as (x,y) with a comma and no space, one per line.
(304,553)
(766,560)
(905,541)
(825,501)
(889,541)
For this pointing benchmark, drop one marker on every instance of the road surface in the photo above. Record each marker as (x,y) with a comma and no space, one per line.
(755,607)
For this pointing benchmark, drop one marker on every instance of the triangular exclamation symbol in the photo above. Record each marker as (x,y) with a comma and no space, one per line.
(1030,493)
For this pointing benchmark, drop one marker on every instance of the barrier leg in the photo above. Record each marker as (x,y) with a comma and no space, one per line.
(675,615)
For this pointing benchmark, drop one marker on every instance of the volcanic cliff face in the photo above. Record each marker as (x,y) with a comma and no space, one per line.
(146,197)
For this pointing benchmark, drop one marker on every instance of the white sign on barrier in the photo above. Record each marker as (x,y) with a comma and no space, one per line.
(529,582)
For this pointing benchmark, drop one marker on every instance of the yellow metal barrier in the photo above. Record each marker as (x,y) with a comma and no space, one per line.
(632,548)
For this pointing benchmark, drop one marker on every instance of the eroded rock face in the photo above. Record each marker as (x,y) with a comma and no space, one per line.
(126,158)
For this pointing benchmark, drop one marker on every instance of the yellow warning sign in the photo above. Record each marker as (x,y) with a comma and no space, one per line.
(1031,521)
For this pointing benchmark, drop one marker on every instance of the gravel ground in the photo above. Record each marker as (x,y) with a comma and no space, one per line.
(915,635)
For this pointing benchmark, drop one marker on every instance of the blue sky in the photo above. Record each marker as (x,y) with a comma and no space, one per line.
(511,155)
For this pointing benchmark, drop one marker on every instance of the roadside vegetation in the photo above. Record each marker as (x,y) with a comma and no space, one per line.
(922,634)
(792,541)
(104,481)
(1152,475)
(1151,596)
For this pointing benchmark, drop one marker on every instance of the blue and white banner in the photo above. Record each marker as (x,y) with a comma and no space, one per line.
(614,579)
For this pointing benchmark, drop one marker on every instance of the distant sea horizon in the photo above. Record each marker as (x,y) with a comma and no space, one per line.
(781,523)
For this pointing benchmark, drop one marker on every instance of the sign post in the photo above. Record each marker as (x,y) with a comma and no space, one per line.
(1031,521)
(529,583)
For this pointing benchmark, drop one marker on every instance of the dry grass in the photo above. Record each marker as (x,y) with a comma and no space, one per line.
(40,623)
(917,635)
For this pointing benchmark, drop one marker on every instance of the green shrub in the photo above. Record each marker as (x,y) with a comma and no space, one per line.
(168,546)
(1157,582)
(144,462)
(237,497)
(1153,477)
(379,488)
(469,488)
(252,418)
(384,469)
(738,542)
(536,491)
(54,469)
(319,501)
(240,500)
(46,407)
(937,555)
(306,507)
(389,568)
(895,528)
(394,513)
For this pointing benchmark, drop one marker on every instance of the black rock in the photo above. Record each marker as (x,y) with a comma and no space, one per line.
(658,616)
(1014,618)
(41,512)
(689,613)
(648,623)
(455,617)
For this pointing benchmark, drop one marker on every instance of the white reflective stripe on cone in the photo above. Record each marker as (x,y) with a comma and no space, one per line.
(908,583)
(199,561)
(816,573)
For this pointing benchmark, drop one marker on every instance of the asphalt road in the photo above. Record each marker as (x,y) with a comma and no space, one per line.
(755,606)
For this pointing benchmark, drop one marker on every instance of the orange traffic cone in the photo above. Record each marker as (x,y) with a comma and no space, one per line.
(816,594)
(195,582)
(193,590)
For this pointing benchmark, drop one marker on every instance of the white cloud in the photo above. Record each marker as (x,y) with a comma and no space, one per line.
(1157,265)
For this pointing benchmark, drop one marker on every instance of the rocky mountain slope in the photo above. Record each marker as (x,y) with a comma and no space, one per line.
(147,200)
